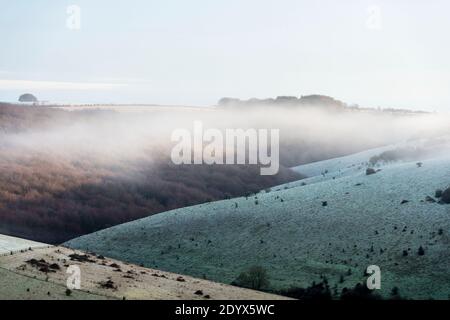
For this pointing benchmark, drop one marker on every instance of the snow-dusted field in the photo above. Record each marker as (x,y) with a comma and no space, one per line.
(8,244)
(328,227)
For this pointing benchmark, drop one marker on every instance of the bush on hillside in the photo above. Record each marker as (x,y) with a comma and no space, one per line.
(421,251)
(395,294)
(316,292)
(255,278)
(359,292)
(445,197)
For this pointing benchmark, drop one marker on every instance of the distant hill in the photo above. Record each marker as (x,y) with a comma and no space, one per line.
(311,101)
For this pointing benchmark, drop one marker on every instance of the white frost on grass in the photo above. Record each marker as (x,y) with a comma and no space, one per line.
(297,239)
(8,244)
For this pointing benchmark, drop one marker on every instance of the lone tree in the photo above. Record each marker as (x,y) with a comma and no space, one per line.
(254,278)
(28,97)
(445,196)
(421,251)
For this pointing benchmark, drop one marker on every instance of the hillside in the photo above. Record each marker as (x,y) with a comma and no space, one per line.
(328,225)
(12,244)
(68,173)
(40,273)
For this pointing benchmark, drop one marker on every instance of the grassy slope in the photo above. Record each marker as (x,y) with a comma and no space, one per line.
(11,244)
(24,280)
(16,286)
(297,239)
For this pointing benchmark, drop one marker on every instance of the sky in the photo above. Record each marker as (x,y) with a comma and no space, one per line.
(372,53)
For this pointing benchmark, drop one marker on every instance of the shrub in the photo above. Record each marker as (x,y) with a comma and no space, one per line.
(421,251)
(254,278)
(316,292)
(445,198)
(395,295)
(359,292)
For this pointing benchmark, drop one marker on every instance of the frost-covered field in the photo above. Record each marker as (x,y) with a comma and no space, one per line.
(345,166)
(297,238)
(333,168)
(8,244)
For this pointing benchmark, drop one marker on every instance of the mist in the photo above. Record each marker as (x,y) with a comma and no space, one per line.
(117,138)
(67,172)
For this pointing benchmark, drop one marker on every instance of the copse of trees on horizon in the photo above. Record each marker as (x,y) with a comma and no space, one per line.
(28,97)
(313,100)
(308,100)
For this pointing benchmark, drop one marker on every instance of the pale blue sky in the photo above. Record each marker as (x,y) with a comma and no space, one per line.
(194,52)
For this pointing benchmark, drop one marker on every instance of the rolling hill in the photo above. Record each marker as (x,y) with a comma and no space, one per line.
(40,272)
(323,227)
